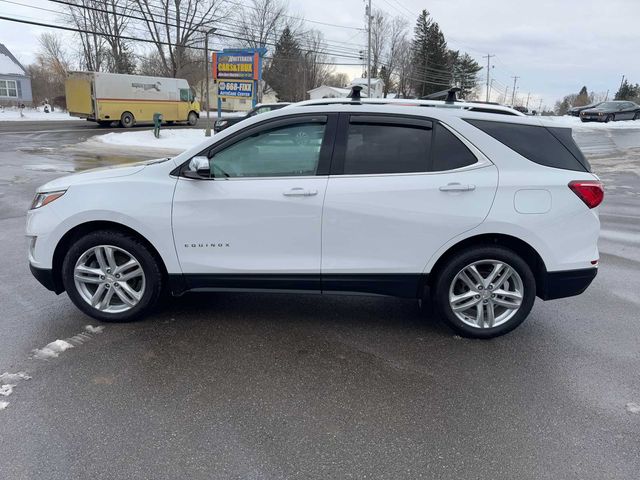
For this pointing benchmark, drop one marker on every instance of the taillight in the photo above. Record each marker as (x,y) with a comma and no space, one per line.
(591,192)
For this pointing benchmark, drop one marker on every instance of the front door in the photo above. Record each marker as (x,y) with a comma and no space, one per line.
(399,189)
(257,222)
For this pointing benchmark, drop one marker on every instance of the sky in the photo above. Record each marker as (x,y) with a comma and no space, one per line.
(554,46)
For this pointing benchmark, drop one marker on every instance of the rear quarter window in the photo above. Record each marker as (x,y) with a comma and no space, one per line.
(537,143)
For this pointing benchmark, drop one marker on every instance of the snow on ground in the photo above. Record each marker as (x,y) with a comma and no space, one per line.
(33,115)
(178,139)
(577,124)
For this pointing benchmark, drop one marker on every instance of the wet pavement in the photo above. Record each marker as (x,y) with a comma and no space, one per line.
(281,386)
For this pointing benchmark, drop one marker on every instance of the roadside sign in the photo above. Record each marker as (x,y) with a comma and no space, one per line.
(236,65)
(233,88)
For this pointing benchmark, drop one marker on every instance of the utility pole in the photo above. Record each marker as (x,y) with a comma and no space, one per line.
(513,95)
(488,57)
(506,94)
(621,82)
(606,97)
(528,97)
(369,50)
(207,132)
(540,107)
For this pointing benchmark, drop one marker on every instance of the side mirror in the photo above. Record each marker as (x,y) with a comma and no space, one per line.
(198,168)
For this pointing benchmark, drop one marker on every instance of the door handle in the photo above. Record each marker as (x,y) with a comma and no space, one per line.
(300,192)
(457,187)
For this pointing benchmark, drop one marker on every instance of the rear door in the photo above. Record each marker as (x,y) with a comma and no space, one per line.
(399,189)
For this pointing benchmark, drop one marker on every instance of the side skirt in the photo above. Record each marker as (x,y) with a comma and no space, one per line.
(396,285)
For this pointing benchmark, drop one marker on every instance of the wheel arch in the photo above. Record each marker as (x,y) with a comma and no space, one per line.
(522,248)
(87,227)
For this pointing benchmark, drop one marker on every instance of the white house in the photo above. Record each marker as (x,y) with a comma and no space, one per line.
(15,84)
(325,91)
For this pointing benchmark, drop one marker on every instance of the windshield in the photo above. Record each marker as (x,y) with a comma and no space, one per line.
(609,105)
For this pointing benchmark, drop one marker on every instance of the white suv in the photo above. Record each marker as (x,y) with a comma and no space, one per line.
(480,212)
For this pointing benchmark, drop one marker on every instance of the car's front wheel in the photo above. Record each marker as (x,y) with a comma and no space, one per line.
(192,118)
(485,292)
(111,276)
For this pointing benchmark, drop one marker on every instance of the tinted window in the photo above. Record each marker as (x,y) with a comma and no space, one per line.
(489,110)
(280,152)
(536,143)
(380,148)
(184,94)
(449,152)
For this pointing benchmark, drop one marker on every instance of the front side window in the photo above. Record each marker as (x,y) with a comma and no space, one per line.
(8,88)
(291,150)
(378,148)
(184,94)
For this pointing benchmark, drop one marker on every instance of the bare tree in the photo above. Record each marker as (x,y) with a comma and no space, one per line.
(315,67)
(261,22)
(175,25)
(394,48)
(405,68)
(49,72)
(379,39)
(92,45)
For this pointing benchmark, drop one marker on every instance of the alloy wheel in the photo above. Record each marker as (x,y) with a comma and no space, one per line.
(486,293)
(109,279)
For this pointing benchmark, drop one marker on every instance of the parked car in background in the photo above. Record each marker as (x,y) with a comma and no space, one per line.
(478,212)
(226,122)
(575,111)
(129,99)
(611,111)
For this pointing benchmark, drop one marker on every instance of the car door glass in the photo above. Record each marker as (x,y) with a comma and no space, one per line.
(291,150)
(449,152)
(184,94)
(378,148)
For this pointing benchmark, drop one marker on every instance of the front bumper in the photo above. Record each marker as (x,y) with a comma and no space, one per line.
(567,283)
(594,118)
(46,277)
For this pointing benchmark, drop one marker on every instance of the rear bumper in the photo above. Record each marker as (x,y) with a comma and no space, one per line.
(46,278)
(567,283)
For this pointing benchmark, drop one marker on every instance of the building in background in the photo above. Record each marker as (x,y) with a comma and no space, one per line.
(15,84)
(325,91)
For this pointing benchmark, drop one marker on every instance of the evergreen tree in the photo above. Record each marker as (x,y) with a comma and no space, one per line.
(583,98)
(431,57)
(628,91)
(285,69)
(465,72)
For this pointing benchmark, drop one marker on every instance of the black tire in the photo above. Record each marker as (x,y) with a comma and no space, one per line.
(127,120)
(583,120)
(448,272)
(610,118)
(153,277)
(636,116)
(192,118)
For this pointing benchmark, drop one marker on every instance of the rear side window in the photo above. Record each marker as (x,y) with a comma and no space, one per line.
(536,143)
(449,152)
(383,148)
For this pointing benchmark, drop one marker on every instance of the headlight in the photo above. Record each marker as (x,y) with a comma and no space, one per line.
(42,199)
(221,123)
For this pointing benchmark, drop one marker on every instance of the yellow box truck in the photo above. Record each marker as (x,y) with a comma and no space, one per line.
(130,99)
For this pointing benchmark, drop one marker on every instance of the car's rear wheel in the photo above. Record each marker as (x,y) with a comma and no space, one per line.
(485,292)
(111,276)
(127,120)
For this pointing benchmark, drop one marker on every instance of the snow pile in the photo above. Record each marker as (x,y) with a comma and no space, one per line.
(3,405)
(177,139)
(632,407)
(577,124)
(92,329)
(32,115)
(6,388)
(52,350)
(8,66)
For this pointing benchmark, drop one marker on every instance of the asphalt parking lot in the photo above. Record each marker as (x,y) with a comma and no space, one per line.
(279,386)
